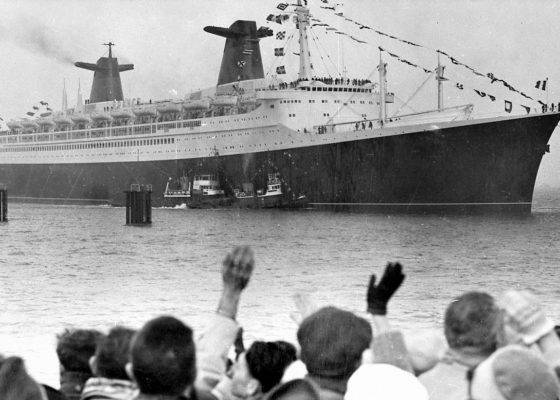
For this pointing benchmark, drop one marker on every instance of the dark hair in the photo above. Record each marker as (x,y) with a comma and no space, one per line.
(113,352)
(15,383)
(267,362)
(472,321)
(297,389)
(75,347)
(163,357)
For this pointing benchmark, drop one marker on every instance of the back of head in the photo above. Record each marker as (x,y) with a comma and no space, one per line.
(297,389)
(75,347)
(332,342)
(163,357)
(267,362)
(15,383)
(472,323)
(113,353)
(514,373)
(384,381)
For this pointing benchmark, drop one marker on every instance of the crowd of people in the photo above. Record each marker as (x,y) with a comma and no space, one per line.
(494,349)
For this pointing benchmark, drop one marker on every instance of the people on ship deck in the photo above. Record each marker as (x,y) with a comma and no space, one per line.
(504,348)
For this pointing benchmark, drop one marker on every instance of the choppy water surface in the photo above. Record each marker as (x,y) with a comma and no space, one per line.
(82,266)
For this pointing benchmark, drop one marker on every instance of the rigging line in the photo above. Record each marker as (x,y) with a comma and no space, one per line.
(317,42)
(405,104)
(452,59)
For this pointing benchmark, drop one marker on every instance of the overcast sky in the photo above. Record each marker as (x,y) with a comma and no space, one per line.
(516,40)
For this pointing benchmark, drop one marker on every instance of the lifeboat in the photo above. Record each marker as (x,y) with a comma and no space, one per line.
(168,107)
(63,120)
(46,122)
(149,111)
(81,118)
(15,125)
(30,124)
(101,117)
(190,105)
(122,113)
(225,100)
(247,99)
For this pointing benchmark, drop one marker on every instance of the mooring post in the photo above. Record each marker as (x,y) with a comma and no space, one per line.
(139,205)
(4,203)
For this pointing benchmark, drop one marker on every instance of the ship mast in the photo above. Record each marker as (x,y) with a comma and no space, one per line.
(305,67)
(440,79)
(110,44)
(382,67)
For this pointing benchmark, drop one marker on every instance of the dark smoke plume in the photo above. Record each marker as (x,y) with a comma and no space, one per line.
(36,37)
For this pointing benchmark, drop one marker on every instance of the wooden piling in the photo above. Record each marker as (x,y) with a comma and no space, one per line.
(139,205)
(3,203)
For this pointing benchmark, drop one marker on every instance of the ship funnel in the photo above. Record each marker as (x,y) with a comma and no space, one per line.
(242,55)
(106,78)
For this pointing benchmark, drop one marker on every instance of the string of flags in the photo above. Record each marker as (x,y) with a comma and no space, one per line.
(318,23)
(458,85)
(540,84)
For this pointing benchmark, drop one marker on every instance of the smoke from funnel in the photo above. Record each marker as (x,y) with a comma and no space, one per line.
(35,37)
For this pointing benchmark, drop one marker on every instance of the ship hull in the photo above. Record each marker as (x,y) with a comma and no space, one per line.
(482,167)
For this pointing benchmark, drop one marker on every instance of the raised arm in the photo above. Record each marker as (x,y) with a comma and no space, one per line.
(214,344)
(388,344)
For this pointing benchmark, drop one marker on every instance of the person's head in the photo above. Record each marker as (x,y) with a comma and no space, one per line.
(514,373)
(473,323)
(75,347)
(297,389)
(261,367)
(163,360)
(15,383)
(112,354)
(332,342)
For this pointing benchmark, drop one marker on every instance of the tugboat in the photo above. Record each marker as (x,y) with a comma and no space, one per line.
(177,192)
(271,198)
(207,193)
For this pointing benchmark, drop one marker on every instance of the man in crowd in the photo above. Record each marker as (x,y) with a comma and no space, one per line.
(472,330)
(163,359)
(74,349)
(333,341)
(256,371)
(110,380)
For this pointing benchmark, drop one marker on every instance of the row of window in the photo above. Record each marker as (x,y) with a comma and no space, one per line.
(80,146)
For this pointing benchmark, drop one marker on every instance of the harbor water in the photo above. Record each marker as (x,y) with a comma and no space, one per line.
(81,266)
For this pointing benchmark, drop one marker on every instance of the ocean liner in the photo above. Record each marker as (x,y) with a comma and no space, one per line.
(330,141)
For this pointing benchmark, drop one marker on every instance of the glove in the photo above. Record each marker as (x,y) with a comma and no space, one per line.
(378,296)
(524,318)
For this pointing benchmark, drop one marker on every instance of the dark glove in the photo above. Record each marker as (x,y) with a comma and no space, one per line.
(378,296)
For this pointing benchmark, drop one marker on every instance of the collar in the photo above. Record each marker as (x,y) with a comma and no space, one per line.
(332,385)
(467,357)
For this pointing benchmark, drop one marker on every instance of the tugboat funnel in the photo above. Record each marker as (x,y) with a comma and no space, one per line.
(106,79)
(242,55)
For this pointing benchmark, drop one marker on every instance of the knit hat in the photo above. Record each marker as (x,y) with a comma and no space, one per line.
(384,382)
(332,342)
(15,383)
(524,319)
(514,373)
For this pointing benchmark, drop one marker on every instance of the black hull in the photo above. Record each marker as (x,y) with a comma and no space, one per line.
(484,167)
